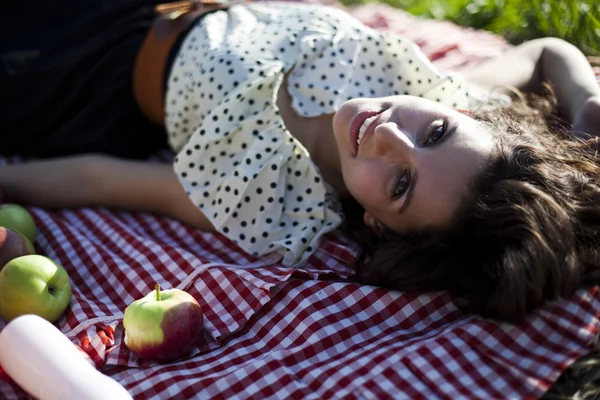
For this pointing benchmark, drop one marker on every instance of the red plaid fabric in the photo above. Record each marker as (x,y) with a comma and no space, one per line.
(274,332)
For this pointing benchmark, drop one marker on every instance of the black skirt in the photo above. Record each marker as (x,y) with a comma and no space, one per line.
(65,78)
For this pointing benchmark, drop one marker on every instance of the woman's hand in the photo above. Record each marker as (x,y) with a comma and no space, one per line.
(586,121)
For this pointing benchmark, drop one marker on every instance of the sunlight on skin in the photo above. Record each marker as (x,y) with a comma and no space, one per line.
(416,151)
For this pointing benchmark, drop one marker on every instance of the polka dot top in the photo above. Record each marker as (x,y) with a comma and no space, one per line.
(235,158)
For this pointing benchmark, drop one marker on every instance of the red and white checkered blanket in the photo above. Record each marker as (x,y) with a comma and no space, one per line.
(274,332)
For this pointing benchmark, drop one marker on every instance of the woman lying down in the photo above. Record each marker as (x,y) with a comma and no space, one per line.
(292,120)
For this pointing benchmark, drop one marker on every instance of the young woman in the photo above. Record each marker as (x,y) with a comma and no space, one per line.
(280,113)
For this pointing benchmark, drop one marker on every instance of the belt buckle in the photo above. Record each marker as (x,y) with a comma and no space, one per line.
(175,9)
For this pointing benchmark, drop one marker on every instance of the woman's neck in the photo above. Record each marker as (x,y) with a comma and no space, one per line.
(322,146)
(316,135)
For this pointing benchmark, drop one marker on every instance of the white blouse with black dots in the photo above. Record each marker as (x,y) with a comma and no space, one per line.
(235,158)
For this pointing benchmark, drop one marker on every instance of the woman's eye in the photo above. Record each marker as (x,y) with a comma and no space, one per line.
(401,186)
(437,133)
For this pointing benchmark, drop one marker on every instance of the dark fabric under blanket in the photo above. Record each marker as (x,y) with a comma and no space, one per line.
(65,74)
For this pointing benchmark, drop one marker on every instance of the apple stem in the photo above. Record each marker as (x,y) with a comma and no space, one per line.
(157,288)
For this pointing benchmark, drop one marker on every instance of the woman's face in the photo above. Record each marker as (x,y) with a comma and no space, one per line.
(414,159)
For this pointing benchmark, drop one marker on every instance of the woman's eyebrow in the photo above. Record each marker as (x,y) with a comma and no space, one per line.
(410,192)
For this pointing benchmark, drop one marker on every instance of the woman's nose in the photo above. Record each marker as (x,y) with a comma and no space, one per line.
(390,140)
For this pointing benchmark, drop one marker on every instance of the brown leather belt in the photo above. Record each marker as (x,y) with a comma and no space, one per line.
(150,64)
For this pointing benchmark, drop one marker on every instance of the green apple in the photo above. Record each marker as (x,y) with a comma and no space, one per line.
(163,326)
(34,284)
(13,245)
(15,217)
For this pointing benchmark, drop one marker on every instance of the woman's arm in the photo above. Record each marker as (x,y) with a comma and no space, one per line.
(103,181)
(543,60)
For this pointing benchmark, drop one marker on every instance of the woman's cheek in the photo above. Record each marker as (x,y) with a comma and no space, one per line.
(365,185)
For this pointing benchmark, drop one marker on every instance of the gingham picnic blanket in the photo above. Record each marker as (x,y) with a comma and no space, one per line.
(311,333)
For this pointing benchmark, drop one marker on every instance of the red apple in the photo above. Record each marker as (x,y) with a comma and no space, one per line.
(163,326)
(13,245)
(3,375)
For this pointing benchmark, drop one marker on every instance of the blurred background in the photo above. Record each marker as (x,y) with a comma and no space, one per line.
(577,21)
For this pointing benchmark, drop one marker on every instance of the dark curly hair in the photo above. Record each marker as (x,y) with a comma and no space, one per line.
(528,233)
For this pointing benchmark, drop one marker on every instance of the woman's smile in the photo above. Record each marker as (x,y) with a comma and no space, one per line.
(362,125)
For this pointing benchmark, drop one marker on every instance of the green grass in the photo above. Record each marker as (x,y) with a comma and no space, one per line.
(577,21)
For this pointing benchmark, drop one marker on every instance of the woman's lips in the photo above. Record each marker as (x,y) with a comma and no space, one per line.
(355,125)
